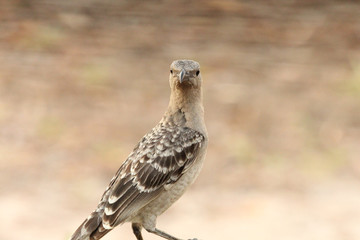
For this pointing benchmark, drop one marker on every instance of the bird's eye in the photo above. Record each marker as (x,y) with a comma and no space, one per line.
(197,73)
(171,71)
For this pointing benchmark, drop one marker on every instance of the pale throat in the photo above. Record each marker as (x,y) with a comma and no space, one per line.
(189,104)
(186,99)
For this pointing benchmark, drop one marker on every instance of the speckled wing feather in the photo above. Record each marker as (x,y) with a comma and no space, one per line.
(160,159)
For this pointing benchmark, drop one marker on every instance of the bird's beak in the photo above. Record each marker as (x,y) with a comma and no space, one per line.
(182,75)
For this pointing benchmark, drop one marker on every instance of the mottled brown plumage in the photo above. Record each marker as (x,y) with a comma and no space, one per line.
(161,166)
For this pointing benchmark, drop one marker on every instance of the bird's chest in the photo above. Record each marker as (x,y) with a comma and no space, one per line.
(175,191)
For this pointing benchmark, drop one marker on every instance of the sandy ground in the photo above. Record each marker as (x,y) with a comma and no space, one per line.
(317,213)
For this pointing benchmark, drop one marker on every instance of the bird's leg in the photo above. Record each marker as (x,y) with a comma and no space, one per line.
(137,230)
(164,234)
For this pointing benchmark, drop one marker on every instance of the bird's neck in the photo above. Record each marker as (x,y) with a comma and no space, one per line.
(186,108)
(187,100)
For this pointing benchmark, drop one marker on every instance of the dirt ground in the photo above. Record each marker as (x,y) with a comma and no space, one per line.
(82,81)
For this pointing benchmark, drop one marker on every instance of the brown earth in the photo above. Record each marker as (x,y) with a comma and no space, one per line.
(82,81)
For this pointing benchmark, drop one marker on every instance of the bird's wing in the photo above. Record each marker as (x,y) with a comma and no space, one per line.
(160,158)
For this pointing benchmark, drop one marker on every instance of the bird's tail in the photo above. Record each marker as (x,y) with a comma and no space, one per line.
(91,228)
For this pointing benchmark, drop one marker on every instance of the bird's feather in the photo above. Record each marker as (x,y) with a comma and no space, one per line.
(160,159)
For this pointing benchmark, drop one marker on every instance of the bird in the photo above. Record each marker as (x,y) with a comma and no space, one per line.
(161,166)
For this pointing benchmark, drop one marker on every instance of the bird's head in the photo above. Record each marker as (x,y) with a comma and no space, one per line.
(185,74)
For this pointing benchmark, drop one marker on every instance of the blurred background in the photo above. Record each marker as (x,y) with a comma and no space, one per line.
(82,81)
